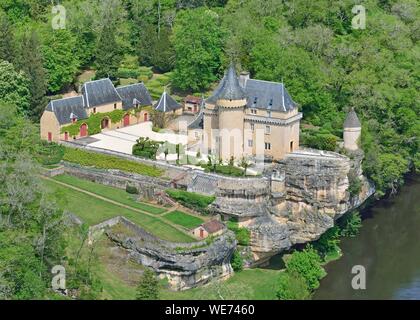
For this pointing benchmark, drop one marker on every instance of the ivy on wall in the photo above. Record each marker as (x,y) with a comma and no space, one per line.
(94,122)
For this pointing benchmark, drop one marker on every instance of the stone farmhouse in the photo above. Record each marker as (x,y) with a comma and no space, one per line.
(97,97)
(250,117)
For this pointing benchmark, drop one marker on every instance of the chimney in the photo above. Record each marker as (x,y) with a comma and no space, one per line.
(243,78)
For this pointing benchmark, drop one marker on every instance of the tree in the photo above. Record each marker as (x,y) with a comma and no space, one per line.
(306,264)
(108,54)
(237,262)
(6,38)
(58,48)
(148,288)
(14,87)
(31,62)
(198,42)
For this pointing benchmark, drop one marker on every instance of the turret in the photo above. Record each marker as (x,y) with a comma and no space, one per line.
(352,131)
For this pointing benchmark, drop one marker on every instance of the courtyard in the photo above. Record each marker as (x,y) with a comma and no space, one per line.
(122,140)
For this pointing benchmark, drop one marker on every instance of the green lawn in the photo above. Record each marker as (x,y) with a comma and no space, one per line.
(93,211)
(184,219)
(250,284)
(109,192)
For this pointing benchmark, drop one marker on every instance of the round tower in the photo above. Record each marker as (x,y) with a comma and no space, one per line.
(352,131)
(231,103)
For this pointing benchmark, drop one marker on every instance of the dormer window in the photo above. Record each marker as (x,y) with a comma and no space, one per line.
(255,100)
(271,103)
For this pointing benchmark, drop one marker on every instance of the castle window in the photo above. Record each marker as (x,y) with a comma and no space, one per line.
(73,120)
(271,103)
(269,114)
(115,106)
(94,110)
(267,129)
(254,111)
(250,143)
(267,146)
(252,126)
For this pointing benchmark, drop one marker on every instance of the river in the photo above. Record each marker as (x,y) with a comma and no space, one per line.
(388,246)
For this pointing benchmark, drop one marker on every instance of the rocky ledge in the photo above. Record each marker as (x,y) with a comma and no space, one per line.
(185,265)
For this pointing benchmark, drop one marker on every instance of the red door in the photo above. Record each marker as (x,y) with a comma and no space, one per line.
(66,136)
(146,117)
(49,136)
(126,120)
(201,233)
(83,130)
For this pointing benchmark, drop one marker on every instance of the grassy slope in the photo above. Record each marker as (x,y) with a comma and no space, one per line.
(93,211)
(183,219)
(109,192)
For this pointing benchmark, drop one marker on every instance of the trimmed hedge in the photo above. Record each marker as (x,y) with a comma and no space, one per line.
(190,198)
(131,189)
(103,161)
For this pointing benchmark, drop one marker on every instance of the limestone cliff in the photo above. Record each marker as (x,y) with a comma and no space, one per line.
(305,193)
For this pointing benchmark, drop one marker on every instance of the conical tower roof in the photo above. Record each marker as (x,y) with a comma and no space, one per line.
(229,88)
(352,120)
(166,103)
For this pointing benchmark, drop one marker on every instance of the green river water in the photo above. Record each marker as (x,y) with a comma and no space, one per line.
(388,246)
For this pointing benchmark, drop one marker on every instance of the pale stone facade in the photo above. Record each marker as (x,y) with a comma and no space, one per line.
(352,131)
(96,97)
(246,117)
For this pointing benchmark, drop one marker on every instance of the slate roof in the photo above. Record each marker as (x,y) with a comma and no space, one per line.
(352,120)
(259,94)
(66,109)
(268,95)
(229,88)
(213,226)
(99,92)
(166,103)
(134,94)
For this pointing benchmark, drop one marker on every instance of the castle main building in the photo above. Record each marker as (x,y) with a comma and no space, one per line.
(247,117)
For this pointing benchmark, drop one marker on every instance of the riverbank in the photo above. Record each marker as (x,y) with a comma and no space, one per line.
(388,246)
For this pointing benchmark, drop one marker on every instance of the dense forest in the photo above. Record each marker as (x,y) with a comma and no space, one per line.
(327,66)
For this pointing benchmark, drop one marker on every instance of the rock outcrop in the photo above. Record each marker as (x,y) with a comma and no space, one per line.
(305,194)
(185,265)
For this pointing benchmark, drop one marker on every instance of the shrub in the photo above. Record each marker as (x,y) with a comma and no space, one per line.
(351,224)
(328,242)
(190,198)
(148,288)
(355,185)
(291,287)
(103,161)
(243,235)
(128,73)
(131,189)
(307,264)
(146,148)
(50,153)
(321,141)
(225,170)
(237,262)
